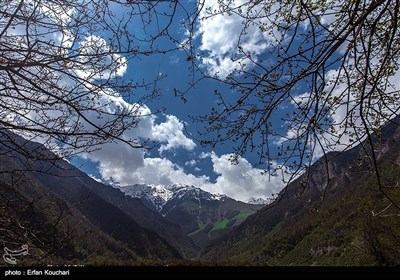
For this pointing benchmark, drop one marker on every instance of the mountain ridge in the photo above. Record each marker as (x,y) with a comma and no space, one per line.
(101,208)
(335,218)
(159,195)
(201,215)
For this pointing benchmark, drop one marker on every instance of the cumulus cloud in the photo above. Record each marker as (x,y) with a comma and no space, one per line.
(230,29)
(221,35)
(93,64)
(127,166)
(171,132)
(116,161)
(120,163)
(165,172)
(123,165)
(191,163)
(204,155)
(242,181)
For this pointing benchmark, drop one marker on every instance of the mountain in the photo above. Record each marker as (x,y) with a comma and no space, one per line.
(82,228)
(162,198)
(78,182)
(259,201)
(333,214)
(55,231)
(65,215)
(343,219)
(201,215)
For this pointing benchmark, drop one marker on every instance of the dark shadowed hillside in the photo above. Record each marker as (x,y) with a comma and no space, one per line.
(342,221)
(78,185)
(63,219)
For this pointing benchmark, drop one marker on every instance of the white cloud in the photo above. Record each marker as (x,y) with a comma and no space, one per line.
(94,64)
(125,165)
(171,132)
(204,155)
(117,161)
(129,166)
(221,34)
(242,181)
(226,25)
(191,163)
(163,171)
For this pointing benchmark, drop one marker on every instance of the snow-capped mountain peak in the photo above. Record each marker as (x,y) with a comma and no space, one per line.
(201,215)
(258,201)
(158,195)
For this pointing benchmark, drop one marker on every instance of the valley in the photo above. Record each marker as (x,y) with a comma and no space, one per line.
(201,215)
(197,133)
(79,220)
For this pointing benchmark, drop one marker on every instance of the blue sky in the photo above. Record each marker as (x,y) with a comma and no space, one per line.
(220,41)
(179,158)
